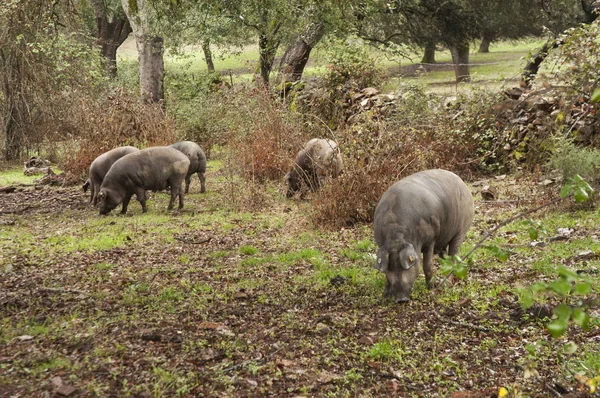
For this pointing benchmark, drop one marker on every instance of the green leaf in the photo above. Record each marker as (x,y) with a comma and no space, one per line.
(557,328)
(460,270)
(566,190)
(583,288)
(567,273)
(581,318)
(595,96)
(530,349)
(581,195)
(561,287)
(446,265)
(563,312)
(533,233)
(570,348)
(526,299)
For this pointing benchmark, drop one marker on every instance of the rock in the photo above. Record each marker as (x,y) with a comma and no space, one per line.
(366,340)
(514,93)
(547,182)
(25,337)
(322,328)
(224,331)
(370,91)
(488,193)
(56,382)
(65,390)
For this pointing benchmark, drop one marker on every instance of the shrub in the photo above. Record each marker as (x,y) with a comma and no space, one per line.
(98,125)
(572,160)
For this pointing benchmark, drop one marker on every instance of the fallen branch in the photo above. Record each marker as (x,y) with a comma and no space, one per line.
(18,211)
(193,242)
(60,290)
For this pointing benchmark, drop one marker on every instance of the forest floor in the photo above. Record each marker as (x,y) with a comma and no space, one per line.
(214,301)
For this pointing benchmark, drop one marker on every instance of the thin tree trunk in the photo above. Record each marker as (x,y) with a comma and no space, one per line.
(110,34)
(208,55)
(15,105)
(484,47)
(152,68)
(296,56)
(428,54)
(150,49)
(267,50)
(460,57)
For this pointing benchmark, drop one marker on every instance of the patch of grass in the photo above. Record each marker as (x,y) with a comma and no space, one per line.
(248,250)
(385,350)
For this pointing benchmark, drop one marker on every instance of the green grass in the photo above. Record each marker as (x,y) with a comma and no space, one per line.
(16,176)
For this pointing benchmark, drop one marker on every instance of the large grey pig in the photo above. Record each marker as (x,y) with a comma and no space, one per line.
(197,162)
(425,212)
(100,167)
(320,158)
(154,169)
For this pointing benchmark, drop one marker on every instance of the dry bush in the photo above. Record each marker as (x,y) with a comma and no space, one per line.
(374,161)
(97,126)
(266,148)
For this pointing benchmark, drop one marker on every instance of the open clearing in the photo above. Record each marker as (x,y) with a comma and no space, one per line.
(211,301)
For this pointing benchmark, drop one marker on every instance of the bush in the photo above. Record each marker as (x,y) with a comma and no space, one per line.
(98,125)
(572,160)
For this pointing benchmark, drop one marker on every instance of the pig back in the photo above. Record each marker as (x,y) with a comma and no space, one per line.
(102,163)
(151,168)
(194,153)
(431,206)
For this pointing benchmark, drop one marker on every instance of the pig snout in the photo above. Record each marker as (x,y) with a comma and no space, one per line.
(399,284)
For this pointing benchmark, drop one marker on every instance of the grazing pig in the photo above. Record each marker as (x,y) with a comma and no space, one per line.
(197,162)
(318,159)
(100,167)
(425,212)
(154,169)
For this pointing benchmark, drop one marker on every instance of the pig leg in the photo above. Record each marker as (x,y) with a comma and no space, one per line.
(428,264)
(202,182)
(188,180)
(454,245)
(94,197)
(125,204)
(176,190)
(140,194)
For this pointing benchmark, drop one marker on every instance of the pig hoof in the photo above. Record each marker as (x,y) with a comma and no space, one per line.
(402,300)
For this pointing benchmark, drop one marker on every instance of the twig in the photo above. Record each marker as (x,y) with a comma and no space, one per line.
(393,376)
(193,242)
(60,290)
(18,211)
(241,364)
(504,223)
(468,324)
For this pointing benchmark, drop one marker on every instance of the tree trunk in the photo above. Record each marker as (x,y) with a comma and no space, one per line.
(429,54)
(111,33)
(150,49)
(267,50)
(460,57)
(484,47)
(208,55)
(152,68)
(296,56)
(15,104)
(110,37)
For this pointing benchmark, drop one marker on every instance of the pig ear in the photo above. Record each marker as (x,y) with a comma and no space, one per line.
(381,262)
(409,257)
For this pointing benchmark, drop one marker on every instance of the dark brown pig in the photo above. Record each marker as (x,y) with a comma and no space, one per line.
(100,167)
(153,169)
(426,212)
(319,159)
(197,162)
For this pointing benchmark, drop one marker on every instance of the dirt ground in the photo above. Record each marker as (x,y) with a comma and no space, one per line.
(220,302)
